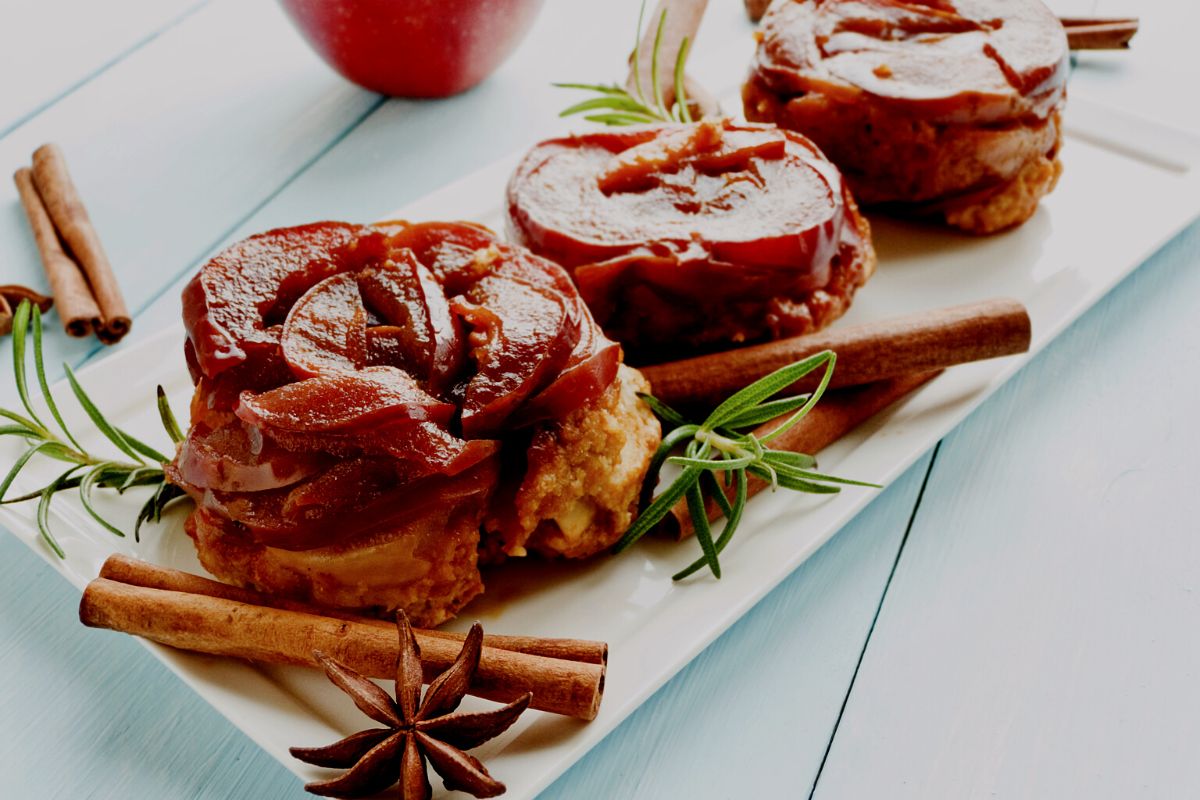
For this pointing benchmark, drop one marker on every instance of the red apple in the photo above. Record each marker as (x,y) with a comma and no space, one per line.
(413,48)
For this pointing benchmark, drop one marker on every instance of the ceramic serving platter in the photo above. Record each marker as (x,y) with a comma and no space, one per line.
(1128,186)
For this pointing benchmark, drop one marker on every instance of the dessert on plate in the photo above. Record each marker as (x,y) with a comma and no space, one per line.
(942,108)
(686,237)
(379,407)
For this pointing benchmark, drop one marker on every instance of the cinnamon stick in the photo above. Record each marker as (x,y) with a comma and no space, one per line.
(682,22)
(72,222)
(838,413)
(929,340)
(135,572)
(1099,33)
(222,627)
(76,306)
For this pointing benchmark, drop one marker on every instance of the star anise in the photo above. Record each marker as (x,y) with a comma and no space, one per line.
(414,731)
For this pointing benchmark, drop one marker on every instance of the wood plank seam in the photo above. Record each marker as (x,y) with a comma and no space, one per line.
(875,618)
(100,70)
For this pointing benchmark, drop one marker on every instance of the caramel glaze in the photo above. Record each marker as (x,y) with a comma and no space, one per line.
(694,236)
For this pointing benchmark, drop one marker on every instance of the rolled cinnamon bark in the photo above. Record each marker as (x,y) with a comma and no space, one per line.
(1099,33)
(76,306)
(221,627)
(837,414)
(135,572)
(929,340)
(71,219)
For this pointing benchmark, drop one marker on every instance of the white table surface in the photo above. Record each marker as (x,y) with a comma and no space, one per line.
(1016,617)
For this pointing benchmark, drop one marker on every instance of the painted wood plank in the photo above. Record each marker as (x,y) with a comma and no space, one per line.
(1038,639)
(49,47)
(178,143)
(93,717)
(751,716)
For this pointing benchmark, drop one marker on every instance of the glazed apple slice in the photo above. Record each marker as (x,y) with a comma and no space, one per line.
(425,338)
(352,402)
(233,307)
(588,372)
(230,459)
(326,331)
(455,252)
(350,500)
(521,335)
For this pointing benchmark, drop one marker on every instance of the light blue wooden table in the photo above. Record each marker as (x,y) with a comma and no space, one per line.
(1016,617)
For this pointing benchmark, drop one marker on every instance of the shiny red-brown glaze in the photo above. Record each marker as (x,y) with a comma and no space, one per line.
(709,221)
(350,375)
(326,331)
(954,61)
(235,458)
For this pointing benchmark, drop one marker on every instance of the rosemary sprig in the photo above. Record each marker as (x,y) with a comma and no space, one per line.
(722,445)
(614,105)
(87,471)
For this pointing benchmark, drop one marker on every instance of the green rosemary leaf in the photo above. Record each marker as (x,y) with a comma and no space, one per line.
(797,460)
(658,509)
(43,510)
(767,411)
(812,401)
(661,409)
(60,452)
(20,420)
(668,443)
(637,56)
(656,83)
(163,496)
(593,87)
(733,517)
(698,511)
(153,477)
(145,513)
(138,477)
(19,430)
(19,465)
(782,479)
(102,424)
(713,487)
(713,466)
(143,448)
(70,483)
(682,112)
(804,474)
(85,495)
(20,327)
(620,118)
(741,495)
(168,417)
(611,102)
(40,368)
(766,386)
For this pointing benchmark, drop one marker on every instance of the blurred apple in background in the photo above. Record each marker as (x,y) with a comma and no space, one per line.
(413,48)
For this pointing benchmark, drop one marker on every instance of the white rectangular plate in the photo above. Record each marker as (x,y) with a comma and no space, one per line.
(1128,187)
